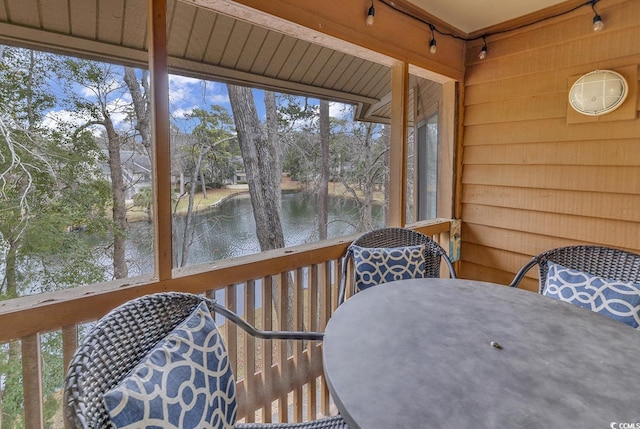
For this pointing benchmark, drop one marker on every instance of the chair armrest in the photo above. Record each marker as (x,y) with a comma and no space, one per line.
(343,279)
(521,273)
(258,333)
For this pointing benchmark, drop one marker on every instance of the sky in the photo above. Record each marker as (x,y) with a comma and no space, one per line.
(185,94)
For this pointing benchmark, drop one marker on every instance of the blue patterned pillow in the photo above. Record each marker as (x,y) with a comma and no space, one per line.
(377,265)
(615,299)
(186,381)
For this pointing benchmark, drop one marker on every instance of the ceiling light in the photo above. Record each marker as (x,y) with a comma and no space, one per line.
(370,15)
(432,46)
(483,51)
(432,43)
(598,24)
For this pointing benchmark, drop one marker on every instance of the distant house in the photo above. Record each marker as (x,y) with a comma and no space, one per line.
(240,177)
(136,171)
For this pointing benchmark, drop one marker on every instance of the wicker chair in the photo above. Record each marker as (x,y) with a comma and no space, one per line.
(597,260)
(393,238)
(123,337)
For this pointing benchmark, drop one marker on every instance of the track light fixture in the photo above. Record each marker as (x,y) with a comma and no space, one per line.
(370,15)
(432,42)
(483,52)
(598,24)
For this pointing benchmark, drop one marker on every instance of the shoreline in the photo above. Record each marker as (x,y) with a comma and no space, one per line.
(216,197)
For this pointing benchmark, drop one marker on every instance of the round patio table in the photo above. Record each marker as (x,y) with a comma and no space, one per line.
(446,353)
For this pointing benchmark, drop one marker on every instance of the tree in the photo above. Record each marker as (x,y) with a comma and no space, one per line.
(323,189)
(48,188)
(98,101)
(144,198)
(354,153)
(141,104)
(211,139)
(262,164)
(362,149)
(298,127)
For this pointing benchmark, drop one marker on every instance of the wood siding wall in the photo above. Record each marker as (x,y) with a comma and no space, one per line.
(534,176)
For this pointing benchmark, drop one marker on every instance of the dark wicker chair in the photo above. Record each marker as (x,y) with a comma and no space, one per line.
(123,337)
(396,237)
(597,260)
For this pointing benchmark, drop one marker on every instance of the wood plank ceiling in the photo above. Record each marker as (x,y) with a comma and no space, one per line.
(203,44)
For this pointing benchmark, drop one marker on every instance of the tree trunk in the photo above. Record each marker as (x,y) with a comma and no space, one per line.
(120,270)
(204,185)
(141,105)
(271,111)
(186,242)
(11,404)
(369,187)
(262,166)
(273,139)
(323,189)
(386,135)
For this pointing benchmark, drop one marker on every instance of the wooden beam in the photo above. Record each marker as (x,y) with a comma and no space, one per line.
(157,12)
(397,155)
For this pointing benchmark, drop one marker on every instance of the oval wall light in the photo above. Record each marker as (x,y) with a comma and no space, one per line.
(598,92)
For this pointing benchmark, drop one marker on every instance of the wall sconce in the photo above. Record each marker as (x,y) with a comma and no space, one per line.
(598,92)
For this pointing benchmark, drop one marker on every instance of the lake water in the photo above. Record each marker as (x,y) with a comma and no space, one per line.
(228,230)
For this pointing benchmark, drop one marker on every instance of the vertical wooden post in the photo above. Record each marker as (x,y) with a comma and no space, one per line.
(298,321)
(249,347)
(161,157)
(328,293)
(397,153)
(283,317)
(231,330)
(69,346)
(313,351)
(32,382)
(267,346)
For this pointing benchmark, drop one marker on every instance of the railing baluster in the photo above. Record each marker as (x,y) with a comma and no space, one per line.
(32,382)
(249,355)
(267,348)
(283,319)
(327,298)
(298,324)
(312,324)
(69,346)
(231,330)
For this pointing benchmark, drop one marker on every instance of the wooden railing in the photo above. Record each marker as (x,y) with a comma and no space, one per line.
(276,380)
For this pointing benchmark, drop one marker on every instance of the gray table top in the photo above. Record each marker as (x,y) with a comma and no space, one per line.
(418,354)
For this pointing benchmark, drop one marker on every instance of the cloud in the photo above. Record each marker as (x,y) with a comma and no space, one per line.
(178,81)
(220,98)
(181,113)
(340,110)
(56,119)
(190,90)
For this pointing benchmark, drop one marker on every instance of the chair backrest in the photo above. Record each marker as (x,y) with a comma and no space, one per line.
(150,330)
(396,238)
(113,347)
(599,261)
